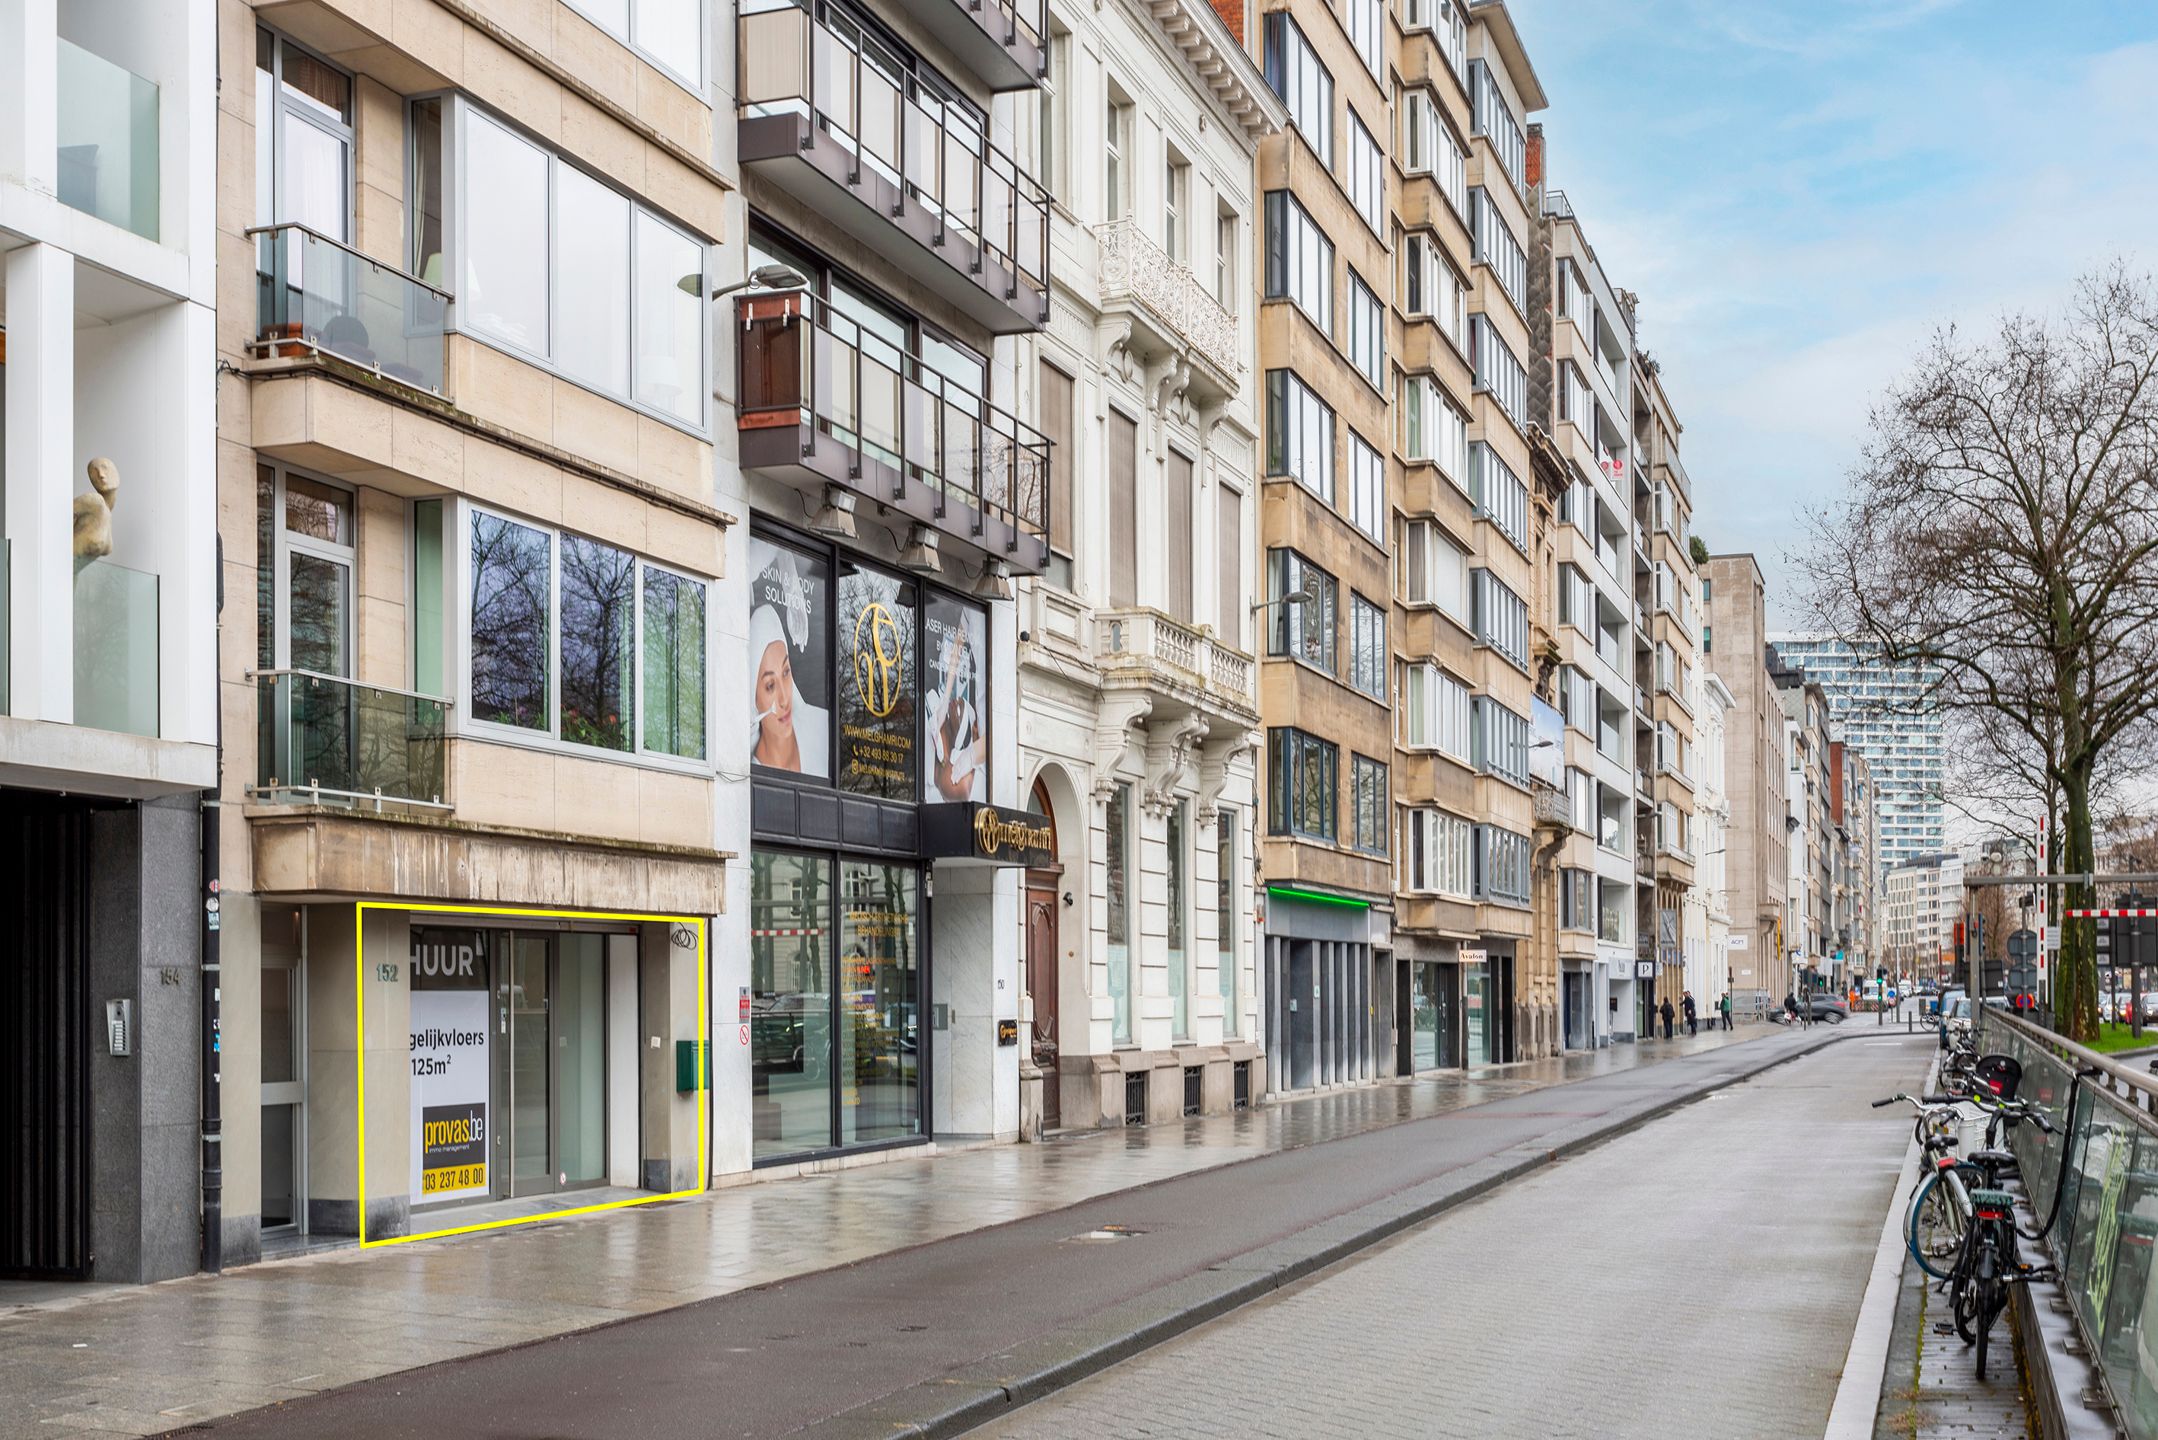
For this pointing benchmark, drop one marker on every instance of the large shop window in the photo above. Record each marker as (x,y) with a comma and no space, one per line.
(835,1003)
(837,686)
(555,264)
(571,638)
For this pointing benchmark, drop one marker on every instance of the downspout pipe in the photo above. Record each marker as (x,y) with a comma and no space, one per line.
(213,1043)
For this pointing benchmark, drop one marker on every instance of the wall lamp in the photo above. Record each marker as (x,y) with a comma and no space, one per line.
(1294,597)
(764,277)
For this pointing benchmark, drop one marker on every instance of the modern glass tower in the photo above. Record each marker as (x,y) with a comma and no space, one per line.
(1880,709)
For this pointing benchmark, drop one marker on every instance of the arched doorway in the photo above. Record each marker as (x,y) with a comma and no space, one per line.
(1042,910)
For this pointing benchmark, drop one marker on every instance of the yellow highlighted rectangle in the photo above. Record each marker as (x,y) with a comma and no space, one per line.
(359,1016)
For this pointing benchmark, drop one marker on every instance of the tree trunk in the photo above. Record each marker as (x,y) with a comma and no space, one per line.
(2075,981)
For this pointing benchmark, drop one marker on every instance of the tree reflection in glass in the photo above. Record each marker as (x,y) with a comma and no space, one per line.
(599,618)
(509,622)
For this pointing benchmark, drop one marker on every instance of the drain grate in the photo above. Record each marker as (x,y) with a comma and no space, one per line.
(1103,1233)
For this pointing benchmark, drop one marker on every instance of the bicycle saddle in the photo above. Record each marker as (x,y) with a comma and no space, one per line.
(1997,1158)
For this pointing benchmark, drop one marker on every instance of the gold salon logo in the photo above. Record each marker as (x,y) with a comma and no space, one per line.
(876,659)
(992,832)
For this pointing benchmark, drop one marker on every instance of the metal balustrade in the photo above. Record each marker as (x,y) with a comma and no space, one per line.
(318,295)
(326,739)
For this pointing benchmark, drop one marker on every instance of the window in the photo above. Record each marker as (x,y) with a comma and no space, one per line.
(1435,711)
(1294,73)
(1175,198)
(1302,629)
(1494,119)
(1432,429)
(303,139)
(1116,822)
(1501,618)
(1444,20)
(1574,302)
(1225,261)
(1175,843)
(1225,918)
(1499,739)
(1229,556)
(1577,889)
(1367,332)
(1497,371)
(1499,494)
(1436,851)
(1367,171)
(1370,800)
(1367,647)
(1367,488)
(1614,908)
(1051,127)
(1435,571)
(1431,149)
(1123,510)
(1496,247)
(1116,139)
(1367,32)
(669,33)
(1299,434)
(1502,865)
(557,265)
(1577,699)
(1302,784)
(1577,404)
(628,635)
(1433,288)
(1056,423)
(1299,259)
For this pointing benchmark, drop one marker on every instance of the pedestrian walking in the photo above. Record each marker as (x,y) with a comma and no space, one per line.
(1692,1020)
(1724,1005)
(1667,1013)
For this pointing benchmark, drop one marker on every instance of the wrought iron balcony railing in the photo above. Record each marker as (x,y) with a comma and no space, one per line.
(1133,267)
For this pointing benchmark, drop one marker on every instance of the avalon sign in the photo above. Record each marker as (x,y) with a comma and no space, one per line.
(991,834)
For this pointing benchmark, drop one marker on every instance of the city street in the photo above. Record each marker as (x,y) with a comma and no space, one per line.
(1704,1273)
(1756,1203)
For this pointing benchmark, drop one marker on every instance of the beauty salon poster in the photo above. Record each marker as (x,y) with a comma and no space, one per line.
(790,719)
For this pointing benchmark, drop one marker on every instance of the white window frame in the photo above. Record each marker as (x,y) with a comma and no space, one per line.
(1444,587)
(458,111)
(1367,332)
(1306,260)
(1367,488)
(692,82)
(1367,168)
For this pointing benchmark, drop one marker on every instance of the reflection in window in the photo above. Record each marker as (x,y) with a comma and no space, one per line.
(879,992)
(510,564)
(599,620)
(673,664)
(505,235)
(790,1018)
(1117,878)
(668,32)
(670,320)
(592,227)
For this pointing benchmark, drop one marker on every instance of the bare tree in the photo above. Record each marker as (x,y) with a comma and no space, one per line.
(2003,527)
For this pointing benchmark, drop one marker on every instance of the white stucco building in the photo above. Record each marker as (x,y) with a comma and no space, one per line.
(1707,910)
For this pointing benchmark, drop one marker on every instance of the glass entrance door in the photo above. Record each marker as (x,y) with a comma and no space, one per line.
(551,1016)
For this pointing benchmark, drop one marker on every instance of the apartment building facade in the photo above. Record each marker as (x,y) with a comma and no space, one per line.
(1138,707)
(1921,902)
(1857,824)
(1707,923)
(1883,711)
(1666,641)
(1809,933)
(466,461)
(1757,844)
(1584,394)
(108,612)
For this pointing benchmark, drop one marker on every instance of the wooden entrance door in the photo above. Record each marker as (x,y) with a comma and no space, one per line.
(1042,907)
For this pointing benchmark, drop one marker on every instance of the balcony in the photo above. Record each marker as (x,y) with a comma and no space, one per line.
(1168,306)
(998,40)
(316,296)
(881,154)
(108,141)
(116,662)
(824,403)
(324,740)
(1145,649)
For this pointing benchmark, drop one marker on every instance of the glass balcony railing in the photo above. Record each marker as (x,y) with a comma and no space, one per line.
(328,740)
(932,146)
(803,361)
(314,294)
(107,129)
(116,664)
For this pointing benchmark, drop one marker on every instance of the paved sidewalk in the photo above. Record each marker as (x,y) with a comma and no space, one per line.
(139,1361)
(1696,1277)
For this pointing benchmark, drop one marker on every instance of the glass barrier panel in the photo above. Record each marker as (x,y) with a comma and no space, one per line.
(116,661)
(108,140)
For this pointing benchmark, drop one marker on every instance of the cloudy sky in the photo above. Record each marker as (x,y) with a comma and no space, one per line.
(1801,190)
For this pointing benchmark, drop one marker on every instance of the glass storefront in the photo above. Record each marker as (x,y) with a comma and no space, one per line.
(1434,1017)
(835,1034)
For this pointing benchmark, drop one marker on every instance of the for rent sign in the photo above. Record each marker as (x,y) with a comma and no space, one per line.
(449,1064)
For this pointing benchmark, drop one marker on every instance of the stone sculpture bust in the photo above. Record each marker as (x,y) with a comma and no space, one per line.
(93,513)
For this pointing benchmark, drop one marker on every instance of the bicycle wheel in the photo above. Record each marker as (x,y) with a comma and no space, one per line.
(1935,1230)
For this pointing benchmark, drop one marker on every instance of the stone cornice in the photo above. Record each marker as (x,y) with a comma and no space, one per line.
(1220,64)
